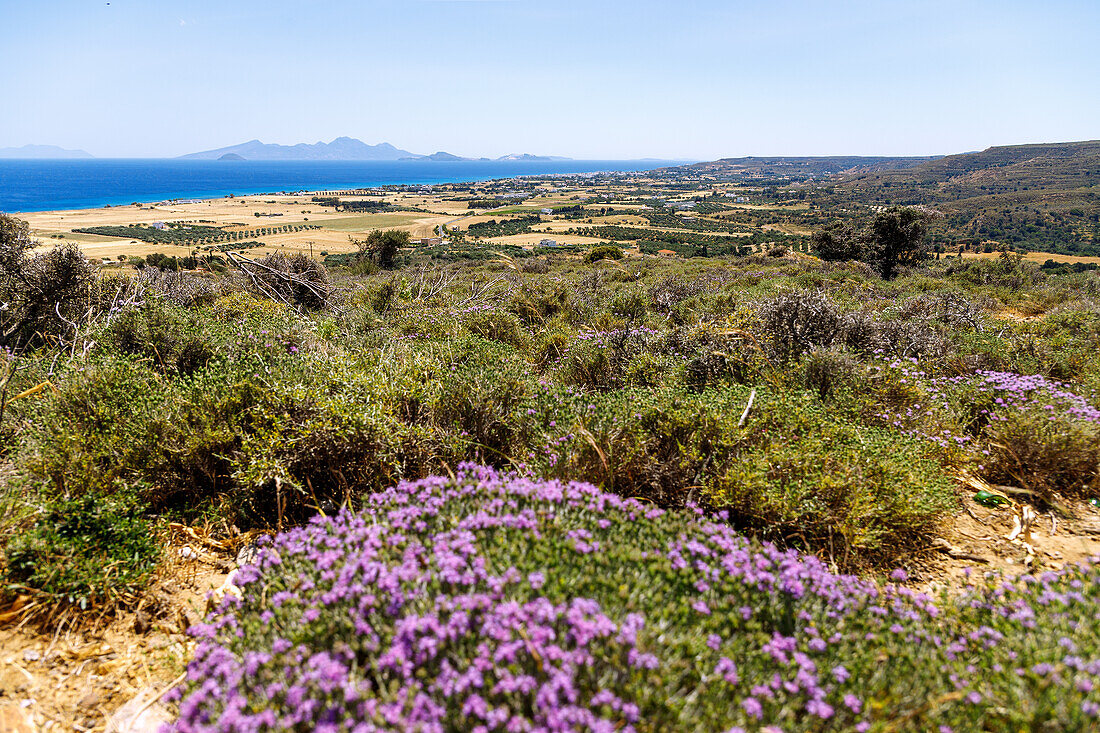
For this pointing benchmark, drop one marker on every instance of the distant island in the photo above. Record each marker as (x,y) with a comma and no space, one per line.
(342,148)
(41,152)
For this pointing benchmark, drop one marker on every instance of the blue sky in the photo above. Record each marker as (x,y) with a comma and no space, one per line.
(585,78)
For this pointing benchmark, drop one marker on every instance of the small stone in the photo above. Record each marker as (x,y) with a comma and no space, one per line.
(90,700)
(247,554)
(143,621)
(31,655)
(186,618)
(134,717)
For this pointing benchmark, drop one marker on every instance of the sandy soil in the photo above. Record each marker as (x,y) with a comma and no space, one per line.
(975,540)
(61,678)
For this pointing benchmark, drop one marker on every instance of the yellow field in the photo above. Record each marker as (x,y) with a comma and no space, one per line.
(786,229)
(234,214)
(1038,257)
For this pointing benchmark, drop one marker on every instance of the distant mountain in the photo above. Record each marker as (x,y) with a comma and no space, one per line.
(342,148)
(42,152)
(440,156)
(532,158)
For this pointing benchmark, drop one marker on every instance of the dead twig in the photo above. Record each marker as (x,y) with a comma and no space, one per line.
(745,414)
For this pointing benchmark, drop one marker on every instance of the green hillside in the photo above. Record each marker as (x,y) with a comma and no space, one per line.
(1035,197)
(804,167)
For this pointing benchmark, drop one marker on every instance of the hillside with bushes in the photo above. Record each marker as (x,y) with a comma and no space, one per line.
(610,491)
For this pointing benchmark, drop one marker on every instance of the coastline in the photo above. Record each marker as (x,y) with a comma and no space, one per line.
(34,186)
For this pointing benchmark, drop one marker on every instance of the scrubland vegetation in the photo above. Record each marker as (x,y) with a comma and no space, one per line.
(489,603)
(749,429)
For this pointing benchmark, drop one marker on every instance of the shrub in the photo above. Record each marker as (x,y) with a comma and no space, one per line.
(241,305)
(1045,453)
(536,303)
(181,288)
(604,252)
(515,604)
(535,265)
(828,371)
(795,322)
(295,280)
(85,551)
(477,395)
(383,297)
(497,326)
(630,306)
(596,359)
(1039,435)
(866,493)
(160,333)
(43,294)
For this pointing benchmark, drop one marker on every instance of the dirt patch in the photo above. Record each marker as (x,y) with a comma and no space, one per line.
(76,677)
(977,540)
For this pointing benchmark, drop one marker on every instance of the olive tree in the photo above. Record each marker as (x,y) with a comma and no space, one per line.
(897,237)
(382,246)
(894,238)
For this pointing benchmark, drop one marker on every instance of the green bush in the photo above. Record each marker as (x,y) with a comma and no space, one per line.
(497,326)
(865,493)
(604,252)
(480,388)
(793,472)
(1044,451)
(85,551)
(172,338)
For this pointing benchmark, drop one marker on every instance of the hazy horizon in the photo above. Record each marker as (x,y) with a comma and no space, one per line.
(588,80)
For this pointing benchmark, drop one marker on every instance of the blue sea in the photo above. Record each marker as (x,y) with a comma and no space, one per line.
(45,185)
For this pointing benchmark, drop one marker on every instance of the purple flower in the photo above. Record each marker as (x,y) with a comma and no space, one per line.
(753,707)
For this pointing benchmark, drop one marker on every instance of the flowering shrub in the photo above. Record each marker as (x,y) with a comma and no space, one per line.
(1026,430)
(493,603)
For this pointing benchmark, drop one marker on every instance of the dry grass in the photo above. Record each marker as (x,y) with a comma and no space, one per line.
(1039,257)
